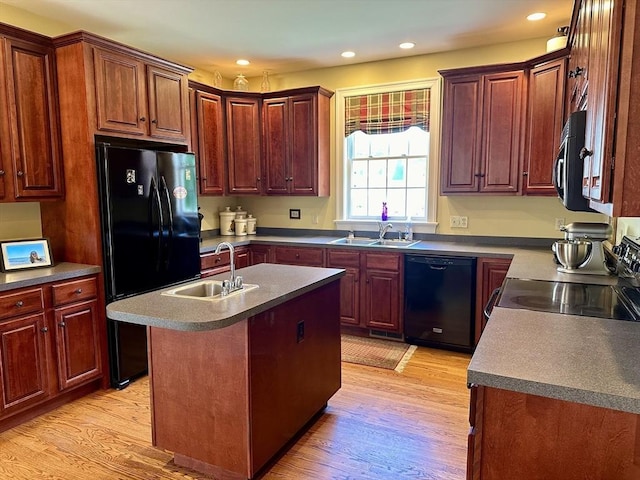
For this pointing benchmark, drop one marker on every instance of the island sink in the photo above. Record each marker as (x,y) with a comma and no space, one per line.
(206,290)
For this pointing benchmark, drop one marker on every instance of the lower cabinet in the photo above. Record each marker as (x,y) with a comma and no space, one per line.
(54,324)
(371,290)
(490,272)
(259,254)
(519,435)
(305,256)
(213,264)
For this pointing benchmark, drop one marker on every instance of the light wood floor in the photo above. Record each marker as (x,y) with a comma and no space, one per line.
(381,425)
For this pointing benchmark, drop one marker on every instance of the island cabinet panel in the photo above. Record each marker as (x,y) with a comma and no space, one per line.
(490,273)
(240,393)
(30,148)
(518,435)
(243,145)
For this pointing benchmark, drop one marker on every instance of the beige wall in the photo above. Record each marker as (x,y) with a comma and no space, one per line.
(500,216)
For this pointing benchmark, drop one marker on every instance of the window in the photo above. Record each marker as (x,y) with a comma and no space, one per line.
(385,153)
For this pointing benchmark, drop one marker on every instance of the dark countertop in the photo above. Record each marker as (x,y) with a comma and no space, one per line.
(38,276)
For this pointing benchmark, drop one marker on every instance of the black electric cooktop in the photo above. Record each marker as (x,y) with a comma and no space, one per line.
(601,301)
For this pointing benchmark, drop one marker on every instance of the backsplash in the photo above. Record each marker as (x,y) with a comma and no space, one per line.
(629,226)
(20,220)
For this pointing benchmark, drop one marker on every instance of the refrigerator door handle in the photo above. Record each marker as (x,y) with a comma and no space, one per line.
(167,197)
(155,201)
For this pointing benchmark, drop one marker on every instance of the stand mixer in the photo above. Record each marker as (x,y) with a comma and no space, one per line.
(594,233)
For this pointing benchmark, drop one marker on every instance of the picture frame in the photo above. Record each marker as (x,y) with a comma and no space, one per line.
(25,254)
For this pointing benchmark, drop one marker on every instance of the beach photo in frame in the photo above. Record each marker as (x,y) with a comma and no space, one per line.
(23,254)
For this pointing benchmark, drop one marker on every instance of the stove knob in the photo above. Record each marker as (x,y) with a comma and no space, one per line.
(618,249)
(635,266)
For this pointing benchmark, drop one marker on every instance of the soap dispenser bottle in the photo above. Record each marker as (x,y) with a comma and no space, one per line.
(384,212)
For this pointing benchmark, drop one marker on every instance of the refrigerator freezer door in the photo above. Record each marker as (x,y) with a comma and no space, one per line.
(181,225)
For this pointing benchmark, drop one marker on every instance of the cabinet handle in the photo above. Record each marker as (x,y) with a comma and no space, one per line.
(218,260)
(19,303)
(1,173)
(257,179)
(44,329)
(584,153)
(297,255)
(78,291)
(480,175)
(524,174)
(143,119)
(62,324)
(19,173)
(154,121)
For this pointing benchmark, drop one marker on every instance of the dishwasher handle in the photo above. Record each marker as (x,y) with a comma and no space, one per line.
(488,308)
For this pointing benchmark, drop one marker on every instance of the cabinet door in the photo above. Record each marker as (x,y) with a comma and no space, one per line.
(544,125)
(260,254)
(212,264)
(275,121)
(501,132)
(242,257)
(121,93)
(461,135)
(382,300)
(168,104)
(23,362)
(349,284)
(303,157)
(33,120)
(309,256)
(77,344)
(490,273)
(210,140)
(243,145)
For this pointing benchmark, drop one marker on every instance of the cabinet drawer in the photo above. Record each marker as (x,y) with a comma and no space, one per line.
(26,301)
(74,291)
(382,261)
(211,260)
(312,257)
(342,258)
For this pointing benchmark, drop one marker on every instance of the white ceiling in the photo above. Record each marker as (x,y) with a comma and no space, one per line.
(291,35)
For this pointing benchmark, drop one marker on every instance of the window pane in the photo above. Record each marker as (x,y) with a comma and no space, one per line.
(418,141)
(360,144)
(398,144)
(417,172)
(376,197)
(396,203)
(379,145)
(397,173)
(359,174)
(359,203)
(416,201)
(377,173)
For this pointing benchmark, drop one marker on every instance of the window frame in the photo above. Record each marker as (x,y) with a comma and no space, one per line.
(428,226)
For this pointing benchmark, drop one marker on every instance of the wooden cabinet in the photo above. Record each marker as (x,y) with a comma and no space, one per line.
(490,274)
(295,144)
(137,98)
(55,324)
(482,131)
(545,119)
(208,135)
(30,149)
(371,290)
(518,435)
(243,145)
(260,254)
(349,284)
(306,256)
(213,264)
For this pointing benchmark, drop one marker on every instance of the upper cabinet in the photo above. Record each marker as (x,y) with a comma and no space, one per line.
(30,151)
(131,94)
(482,130)
(295,143)
(243,142)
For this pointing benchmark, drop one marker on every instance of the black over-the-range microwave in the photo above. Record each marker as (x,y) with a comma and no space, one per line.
(568,165)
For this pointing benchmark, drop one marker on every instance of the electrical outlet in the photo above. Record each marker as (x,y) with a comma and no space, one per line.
(456,221)
(464,222)
(559,223)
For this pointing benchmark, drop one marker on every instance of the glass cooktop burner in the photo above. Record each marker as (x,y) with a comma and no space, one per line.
(602,301)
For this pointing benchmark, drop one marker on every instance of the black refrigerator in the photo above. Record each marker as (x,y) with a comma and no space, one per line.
(150,238)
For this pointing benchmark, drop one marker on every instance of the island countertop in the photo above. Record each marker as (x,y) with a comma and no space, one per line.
(276,285)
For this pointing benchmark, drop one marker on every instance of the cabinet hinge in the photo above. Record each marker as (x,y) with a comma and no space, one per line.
(613,163)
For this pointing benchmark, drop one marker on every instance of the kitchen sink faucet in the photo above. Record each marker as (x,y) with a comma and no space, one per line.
(383,229)
(234,283)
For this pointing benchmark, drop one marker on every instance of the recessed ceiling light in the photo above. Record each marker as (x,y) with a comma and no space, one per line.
(536,16)
(348,54)
(407,45)
(242,62)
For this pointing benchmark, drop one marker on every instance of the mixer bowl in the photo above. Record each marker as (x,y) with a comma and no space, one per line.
(572,253)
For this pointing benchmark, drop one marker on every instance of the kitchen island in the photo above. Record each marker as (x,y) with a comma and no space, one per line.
(235,379)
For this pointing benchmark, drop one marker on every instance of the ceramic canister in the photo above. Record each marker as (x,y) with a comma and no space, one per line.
(241,226)
(251,225)
(227,221)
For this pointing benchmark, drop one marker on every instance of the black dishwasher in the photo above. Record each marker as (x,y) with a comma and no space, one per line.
(439,300)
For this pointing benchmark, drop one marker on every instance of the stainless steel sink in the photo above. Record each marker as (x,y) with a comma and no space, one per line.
(395,243)
(354,241)
(210,290)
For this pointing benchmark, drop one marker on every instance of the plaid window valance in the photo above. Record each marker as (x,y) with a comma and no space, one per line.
(389,112)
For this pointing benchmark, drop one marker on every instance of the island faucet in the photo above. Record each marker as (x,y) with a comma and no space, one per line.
(383,229)
(234,283)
